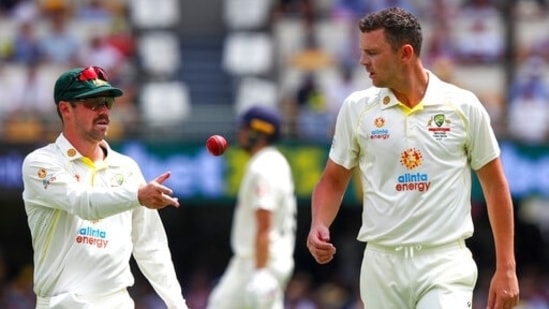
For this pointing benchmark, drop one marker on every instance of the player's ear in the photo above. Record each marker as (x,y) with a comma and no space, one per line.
(406,52)
(63,106)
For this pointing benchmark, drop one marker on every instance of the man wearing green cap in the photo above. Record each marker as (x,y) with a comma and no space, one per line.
(90,209)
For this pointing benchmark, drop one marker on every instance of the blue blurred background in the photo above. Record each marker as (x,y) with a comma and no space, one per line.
(189,68)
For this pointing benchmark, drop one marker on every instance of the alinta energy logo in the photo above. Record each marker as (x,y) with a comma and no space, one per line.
(411,159)
(88,235)
(379,132)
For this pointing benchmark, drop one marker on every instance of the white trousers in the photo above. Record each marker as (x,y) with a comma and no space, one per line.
(420,277)
(117,300)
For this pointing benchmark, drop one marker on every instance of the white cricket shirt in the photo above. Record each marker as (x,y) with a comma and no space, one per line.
(85,222)
(415,164)
(267,184)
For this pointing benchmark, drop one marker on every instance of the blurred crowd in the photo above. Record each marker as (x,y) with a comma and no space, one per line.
(41,39)
(309,65)
(304,60)
(467,42)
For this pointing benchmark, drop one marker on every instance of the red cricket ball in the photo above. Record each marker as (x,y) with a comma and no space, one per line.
(216,145)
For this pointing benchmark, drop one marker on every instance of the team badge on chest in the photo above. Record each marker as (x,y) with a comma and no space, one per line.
(439,126)
(117,180)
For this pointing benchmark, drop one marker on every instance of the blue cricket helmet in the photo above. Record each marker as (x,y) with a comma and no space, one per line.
(264,120)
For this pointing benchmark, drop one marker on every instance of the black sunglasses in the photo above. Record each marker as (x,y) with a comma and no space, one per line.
(96,103)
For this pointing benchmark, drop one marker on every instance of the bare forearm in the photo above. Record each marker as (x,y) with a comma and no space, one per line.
(261,250)
(500,212)
(504,290)
(263,229)
(326,201)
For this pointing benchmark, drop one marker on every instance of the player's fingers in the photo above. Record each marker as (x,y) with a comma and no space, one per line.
(515,301)
(320,245)
(491,300)
(156,196)
(502,300)
(323,234)
(169,200)
(497,303)
(510,301)
(502,303)
(163,177)
(323,256)
(161,202)
(324,260)
(318,235)
(164,199)
(163,189)
(321,251)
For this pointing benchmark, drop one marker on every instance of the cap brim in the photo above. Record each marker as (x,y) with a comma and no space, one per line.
(107,91)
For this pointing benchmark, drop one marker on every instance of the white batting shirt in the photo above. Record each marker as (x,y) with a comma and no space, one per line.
(415,164)
(267,184)
(85,221)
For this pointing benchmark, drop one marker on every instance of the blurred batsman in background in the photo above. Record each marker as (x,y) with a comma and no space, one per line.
(264,222)
(415,140)
(90,209)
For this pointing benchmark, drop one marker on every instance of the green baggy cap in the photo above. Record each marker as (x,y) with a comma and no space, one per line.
(81,83)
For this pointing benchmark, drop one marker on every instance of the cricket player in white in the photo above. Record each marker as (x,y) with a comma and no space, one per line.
(415,140)
(89,208)
(264,222)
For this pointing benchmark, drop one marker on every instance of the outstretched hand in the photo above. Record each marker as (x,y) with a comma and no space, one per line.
(155,195)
